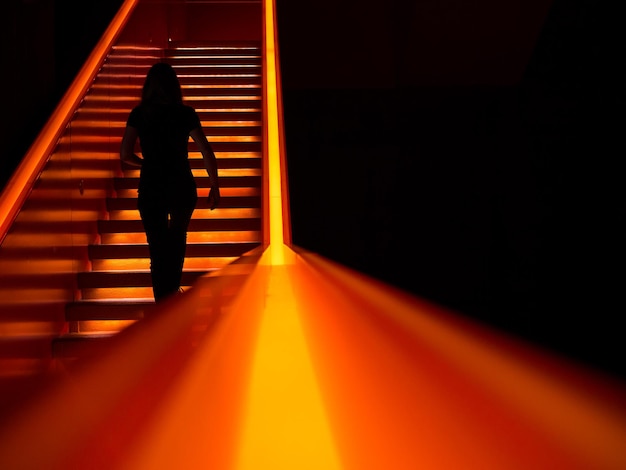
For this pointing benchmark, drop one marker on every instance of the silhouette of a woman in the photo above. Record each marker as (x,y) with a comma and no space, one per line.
(167,193)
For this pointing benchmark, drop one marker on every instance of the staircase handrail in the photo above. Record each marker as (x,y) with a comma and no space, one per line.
(272,90)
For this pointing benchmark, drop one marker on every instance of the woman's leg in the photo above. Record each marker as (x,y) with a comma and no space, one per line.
(155,222)
(177,243)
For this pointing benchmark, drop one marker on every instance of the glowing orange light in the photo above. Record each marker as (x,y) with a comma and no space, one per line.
(285,425)
(273,142)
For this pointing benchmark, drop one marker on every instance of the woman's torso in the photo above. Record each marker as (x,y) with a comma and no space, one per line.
(163,135)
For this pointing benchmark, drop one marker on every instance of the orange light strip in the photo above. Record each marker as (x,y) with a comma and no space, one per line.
(273,140)
(285,424)
(24,177)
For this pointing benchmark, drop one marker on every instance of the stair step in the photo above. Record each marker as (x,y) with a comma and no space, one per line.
(189,88)
(103,126)
(130,203)
(191,47)
(204,58)
(121,115)
(132,182)
(104,309)
(222,89)
(193,250)
(73,346)
(218,102)
(185,70)
(212,56)
(115,279)
(184,66)
(135,79)
(196,162)
(112,145)
(85,128)
(196,225)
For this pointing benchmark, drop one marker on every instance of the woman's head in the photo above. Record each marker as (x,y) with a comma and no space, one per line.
(161,85)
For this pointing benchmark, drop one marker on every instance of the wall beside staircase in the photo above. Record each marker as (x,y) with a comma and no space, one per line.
(467,153)
(156,23)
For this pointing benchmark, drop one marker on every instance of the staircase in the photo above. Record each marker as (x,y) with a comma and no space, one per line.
(112,287)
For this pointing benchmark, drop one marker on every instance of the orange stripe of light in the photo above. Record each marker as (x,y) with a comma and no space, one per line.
(285,422)
(273,141)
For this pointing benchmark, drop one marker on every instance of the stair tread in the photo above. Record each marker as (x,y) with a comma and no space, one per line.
(132,182)
(226,202)
(136,278)
(72,346)
(199,225)
(135,250)
(83,336)
(107,309)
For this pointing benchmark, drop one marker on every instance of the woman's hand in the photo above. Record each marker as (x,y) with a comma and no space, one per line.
(214,197)
(127,149)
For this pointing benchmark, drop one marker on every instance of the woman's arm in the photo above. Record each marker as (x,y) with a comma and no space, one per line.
(127,149)
(210,163)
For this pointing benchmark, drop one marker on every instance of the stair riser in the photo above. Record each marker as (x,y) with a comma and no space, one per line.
(105,252)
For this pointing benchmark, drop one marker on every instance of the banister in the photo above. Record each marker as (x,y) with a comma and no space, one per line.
(277,230)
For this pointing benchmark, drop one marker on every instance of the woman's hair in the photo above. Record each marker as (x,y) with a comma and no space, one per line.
(162,85)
